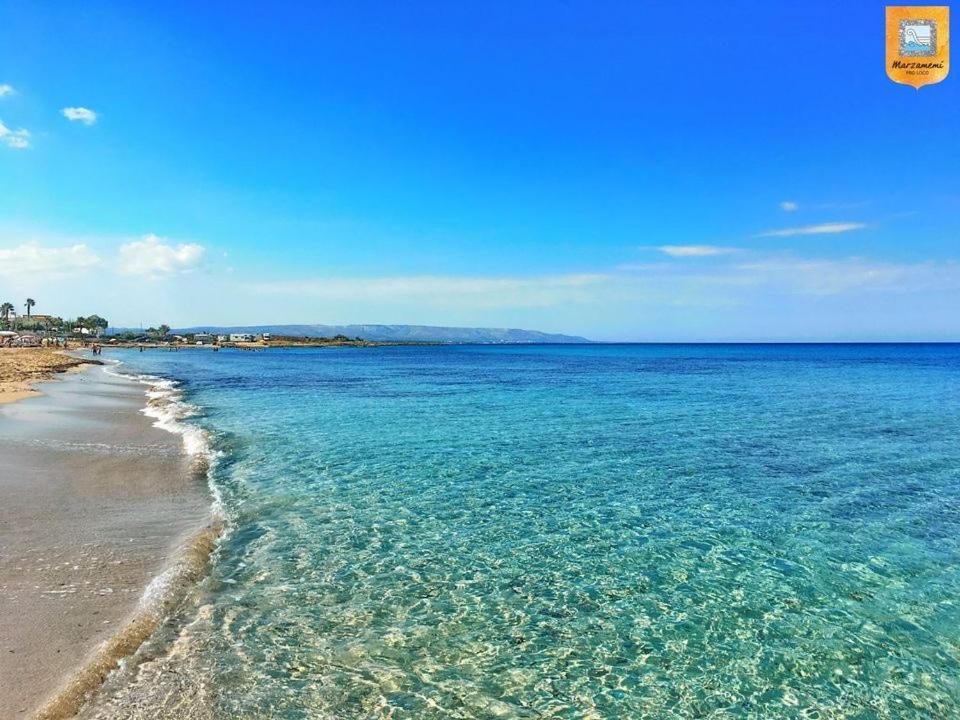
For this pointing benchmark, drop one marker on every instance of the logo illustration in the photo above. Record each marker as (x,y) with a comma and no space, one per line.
(918,37)
(918,44)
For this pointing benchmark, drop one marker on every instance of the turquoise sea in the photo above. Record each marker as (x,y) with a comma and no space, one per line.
(675,531)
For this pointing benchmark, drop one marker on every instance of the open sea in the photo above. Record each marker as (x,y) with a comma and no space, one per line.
(646,531)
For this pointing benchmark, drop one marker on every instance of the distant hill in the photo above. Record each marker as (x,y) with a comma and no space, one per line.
(390,333)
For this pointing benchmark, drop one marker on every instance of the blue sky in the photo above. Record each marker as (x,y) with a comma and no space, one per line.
(629,171)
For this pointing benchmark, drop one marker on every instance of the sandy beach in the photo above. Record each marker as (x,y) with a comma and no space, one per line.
(94,503)
(20,368)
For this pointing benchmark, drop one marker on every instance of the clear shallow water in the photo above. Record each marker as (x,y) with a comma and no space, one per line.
(610,532)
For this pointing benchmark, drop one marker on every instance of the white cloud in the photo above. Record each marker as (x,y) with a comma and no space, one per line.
(822,229)
(6,90)
(80,114)
(694,250)
(789,206)
(35,259)
(17,139)
(153,257)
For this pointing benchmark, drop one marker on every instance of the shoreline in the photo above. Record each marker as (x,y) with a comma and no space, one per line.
(105,524)
(189,566)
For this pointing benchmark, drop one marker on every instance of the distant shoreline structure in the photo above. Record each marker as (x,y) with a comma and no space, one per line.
(384,333)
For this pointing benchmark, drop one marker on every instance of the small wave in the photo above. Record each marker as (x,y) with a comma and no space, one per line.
(165,404)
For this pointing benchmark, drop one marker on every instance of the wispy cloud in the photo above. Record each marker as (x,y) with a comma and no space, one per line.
(35,259)
(17,139)
(6,90)
(742,292)
(843,205)
(534,291)
(695,250)
(789,206)
(652,285)
(155,257)
(80,114)
(813,276)
(735,283)
(822,229)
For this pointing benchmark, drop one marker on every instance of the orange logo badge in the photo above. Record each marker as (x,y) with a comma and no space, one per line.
(918,44)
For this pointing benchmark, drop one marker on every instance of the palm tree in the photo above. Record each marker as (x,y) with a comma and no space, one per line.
(30,303)
(5,311)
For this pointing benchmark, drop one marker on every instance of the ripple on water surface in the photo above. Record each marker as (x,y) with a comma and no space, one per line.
(610,532)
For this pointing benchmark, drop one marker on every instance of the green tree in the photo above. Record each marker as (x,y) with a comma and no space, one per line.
(164,330)
(96,323)
(30,303)
(5,311)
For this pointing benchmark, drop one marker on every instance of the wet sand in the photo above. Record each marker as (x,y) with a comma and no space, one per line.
(94,502)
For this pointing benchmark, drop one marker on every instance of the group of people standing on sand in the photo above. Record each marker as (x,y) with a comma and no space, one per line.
(97,349)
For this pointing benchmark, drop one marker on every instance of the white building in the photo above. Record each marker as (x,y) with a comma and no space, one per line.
(241,337)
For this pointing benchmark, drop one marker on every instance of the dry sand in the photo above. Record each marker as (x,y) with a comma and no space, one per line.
(21,367)
(93,501)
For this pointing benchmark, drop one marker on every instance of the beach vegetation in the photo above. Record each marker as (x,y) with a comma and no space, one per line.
(50,325)
(5,311)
